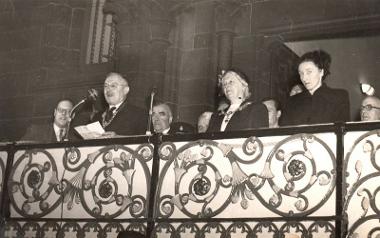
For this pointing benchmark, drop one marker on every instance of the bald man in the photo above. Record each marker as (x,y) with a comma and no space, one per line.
(162,117)
(204,121)
(120,118)
(370,109)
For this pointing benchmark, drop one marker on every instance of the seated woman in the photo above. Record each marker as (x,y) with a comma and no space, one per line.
(318,103)
(241,113)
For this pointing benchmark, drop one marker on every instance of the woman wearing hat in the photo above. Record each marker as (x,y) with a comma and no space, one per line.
(242,113)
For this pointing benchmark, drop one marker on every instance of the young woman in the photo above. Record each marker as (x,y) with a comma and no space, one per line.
(318,103)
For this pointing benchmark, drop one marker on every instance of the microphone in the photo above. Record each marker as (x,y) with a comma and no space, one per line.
(92,96)
(152,94)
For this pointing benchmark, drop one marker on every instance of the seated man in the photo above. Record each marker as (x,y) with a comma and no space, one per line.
(55,131)
(274,111)
(370,109)
(203,121)
(120,118)
(162,117)
(162,120)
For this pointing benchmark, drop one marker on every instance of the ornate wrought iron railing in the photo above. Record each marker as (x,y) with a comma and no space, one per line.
(309,181)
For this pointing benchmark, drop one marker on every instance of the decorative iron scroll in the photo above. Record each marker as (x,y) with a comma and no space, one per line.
(310,229)
(68,229)
(104,182)
(362,176)
(253,177)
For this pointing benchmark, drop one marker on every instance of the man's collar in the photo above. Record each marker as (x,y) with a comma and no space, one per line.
(116,106)
(57,128)
(166,131)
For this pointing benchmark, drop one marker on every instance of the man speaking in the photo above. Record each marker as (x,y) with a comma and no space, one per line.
(120,118)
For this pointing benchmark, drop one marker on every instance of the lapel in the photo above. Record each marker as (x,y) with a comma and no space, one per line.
(51,133)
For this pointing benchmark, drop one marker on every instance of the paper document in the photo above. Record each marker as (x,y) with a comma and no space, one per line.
(90,131)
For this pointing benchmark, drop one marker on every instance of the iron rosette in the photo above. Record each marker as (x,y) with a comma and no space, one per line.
(101,184)
(203,177)
(112,180)
(33,182)
(301,174)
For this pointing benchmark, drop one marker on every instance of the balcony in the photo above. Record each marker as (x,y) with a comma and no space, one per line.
(306,181)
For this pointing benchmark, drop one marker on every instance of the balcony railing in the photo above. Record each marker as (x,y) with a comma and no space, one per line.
(307,181)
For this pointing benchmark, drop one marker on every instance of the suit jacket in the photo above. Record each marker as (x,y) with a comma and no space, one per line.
(324,106)
(40,132)
(129,120)
(249,116)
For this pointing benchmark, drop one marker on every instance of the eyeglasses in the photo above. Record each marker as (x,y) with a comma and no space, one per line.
(64,111)
(369,107)
(112,86)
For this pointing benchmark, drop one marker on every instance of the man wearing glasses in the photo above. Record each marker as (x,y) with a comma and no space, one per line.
(370,109)
(119,118)
(52,132)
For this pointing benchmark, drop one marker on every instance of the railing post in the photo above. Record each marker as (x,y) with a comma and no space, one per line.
(5,200)
(157,140)
(340,186)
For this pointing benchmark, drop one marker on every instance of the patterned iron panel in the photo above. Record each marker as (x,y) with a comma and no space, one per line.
(274,176)
(68,229)
(90,182)
(290,229)
(362,176)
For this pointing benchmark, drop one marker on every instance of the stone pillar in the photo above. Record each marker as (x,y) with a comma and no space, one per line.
(143,40)
(225,25)
(225,43)
(159,43)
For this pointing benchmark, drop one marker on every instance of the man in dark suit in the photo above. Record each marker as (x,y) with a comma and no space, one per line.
(162,120)
(120,118)
(162,117)
(55,131)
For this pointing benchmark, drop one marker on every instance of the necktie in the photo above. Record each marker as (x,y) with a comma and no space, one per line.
(61,134)
(109,114)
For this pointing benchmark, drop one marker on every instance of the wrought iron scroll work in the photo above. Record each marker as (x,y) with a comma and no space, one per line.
(361,176)
(97,182)
(199,181)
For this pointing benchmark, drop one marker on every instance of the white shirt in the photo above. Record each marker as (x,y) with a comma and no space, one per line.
(116,106)
(166,131)
(57,129)
(227,117)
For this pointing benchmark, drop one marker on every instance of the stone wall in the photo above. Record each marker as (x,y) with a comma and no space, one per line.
(41,60)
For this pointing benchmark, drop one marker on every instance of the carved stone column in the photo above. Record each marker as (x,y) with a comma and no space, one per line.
(159,43)
(225,23)
(143,27)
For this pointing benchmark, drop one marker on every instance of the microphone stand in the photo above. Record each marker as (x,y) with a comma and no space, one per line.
(92,96)
(71,117)
(148,132)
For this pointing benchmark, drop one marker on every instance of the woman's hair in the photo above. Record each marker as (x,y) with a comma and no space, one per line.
(242,78)
(320,58)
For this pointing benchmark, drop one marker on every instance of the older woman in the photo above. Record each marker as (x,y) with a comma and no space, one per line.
(318,103)
(241,113)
